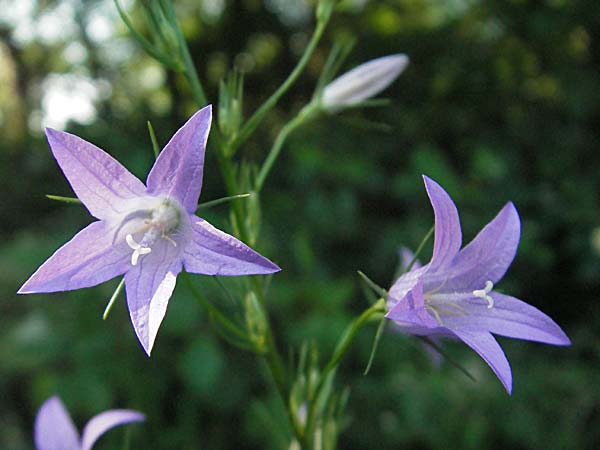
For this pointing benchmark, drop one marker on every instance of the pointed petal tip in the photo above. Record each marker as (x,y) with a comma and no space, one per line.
(29,287)
(510,208)
(204,113)
(429,181)
(272,268)
(145,343)
(431,186)
(400,59)
(562,340)
(53,136)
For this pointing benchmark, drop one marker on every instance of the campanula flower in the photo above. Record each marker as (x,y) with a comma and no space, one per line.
(147,232)
(362,82)
(453,295)
(54,429)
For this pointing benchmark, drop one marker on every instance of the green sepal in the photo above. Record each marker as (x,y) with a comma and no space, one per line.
(447,357)
(58,198)
(155,147)
(382,293)
(113,298)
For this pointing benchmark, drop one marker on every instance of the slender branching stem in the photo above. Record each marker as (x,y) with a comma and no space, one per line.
(341,348)
(268,105)
(302,117)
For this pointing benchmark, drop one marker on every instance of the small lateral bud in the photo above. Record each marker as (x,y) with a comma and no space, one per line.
(363,82)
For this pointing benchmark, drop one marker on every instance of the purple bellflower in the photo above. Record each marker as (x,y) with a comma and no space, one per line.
(54,429)
(149,233)
(453,294)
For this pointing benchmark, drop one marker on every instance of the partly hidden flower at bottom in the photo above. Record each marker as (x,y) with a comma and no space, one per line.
(54,429)
(147,232)
(453,295)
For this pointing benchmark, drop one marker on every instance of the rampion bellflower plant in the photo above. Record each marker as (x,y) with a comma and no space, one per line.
(54,429)
(149,233)
(453,295)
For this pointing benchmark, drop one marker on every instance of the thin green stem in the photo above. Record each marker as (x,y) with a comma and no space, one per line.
(146,45)
(303,116)
(419,249)
(272,356)
(339,352)
(260,113)
(214,312)
(190,71)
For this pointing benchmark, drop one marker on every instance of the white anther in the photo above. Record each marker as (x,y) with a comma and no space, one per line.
(483,293)
(131,242)
(138,250)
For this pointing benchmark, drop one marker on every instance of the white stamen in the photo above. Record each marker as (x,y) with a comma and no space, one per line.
(131,242)
(483,293)
(138,250)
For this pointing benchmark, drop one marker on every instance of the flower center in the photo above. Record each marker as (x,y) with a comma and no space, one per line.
(447,303)
(161,223)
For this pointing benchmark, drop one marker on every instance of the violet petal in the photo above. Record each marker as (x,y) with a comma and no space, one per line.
(101,423)
(149,286)
(448,236)
(509,317)
(213,252)
(488,348)
(53,428)
(411,309)
(488,256)
(99,180)
(88,259)
(177,171)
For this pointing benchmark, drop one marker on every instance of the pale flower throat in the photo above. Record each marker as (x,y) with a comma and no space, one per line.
(448,303)
(159,222)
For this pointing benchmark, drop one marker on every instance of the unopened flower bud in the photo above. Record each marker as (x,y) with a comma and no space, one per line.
(362,82)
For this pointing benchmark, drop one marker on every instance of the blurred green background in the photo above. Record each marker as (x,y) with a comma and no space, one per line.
(501,102)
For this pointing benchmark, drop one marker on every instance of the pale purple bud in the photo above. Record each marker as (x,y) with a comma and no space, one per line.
(363,82)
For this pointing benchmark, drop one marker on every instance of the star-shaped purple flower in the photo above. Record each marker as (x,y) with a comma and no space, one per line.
(149,233)
(54,429)
(453,294)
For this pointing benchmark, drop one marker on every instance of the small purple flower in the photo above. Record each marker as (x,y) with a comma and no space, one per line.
(149,233)
(54,429)
(453,294)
